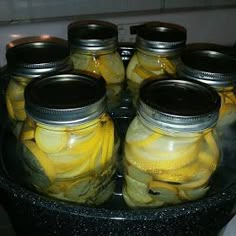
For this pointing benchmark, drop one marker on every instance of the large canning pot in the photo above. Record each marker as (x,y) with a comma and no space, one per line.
(34,214)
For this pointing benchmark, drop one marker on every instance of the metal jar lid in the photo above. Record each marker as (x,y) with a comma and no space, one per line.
(65,99)
(93,36)
(36,56)
(179,105)
(161,38)
(210,66)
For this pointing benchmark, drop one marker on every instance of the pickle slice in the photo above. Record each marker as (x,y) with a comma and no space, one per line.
(150,63)
(139,175)
(137,191)
(104,194)
(133,204)
(212,144)
(15,91)
(197,182)
(163,192)
(142,72)
(27,133)
(80,190)
(133,62)
(180,175)
(87,63)
(112,68)
(168,66)
(10,108)
(50,141)
(152,163)
(208,161)
(38,161)
(193,194)
(108,142)
(66,162)
(227,115)
(138,135)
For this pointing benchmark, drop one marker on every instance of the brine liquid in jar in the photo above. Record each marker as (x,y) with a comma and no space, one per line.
(93,46)
(158,49)
(171,149)
(68,143)
(30,58)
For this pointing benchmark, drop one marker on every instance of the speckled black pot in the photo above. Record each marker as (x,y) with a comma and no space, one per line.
(33,214)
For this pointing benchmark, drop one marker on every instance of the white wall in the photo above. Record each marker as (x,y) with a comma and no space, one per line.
(211,25)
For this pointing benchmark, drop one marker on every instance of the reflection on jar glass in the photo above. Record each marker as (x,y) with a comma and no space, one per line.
(29,58)
(159,46)
(211,66)
(68,144)
(94,49)
(171,147)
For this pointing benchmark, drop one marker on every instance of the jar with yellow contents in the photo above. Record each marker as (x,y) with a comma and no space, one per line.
(211,66)
(29,58)
(171,149)
(94,49)
(158,49)
(68,144)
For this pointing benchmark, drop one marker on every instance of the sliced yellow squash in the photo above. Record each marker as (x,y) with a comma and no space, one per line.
(112,68)
(168,66)
(104,194)
(80,190)
(136,190)
(149,62)
(139,135)
(50,141)
(38,160)
(193,194)
(87,63)
(163,191)
(153,162)
(133,204)
(210,140)
(10,108)
(138,174)
(133,62)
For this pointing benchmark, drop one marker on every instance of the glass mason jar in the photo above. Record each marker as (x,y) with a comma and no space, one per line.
(211,66)
(171,148)
(68,145)
(29,58)
(94,49)
(158,48)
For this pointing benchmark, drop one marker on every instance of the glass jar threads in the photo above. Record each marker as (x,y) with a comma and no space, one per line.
(159,46)
(68,145)
(94,49)
(216,69)
(171,150)
(29,58)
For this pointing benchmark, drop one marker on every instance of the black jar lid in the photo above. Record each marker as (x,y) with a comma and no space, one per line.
(179,104)
(35,56)
(160,37)
(93,36)
(209,65)
(65,99)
